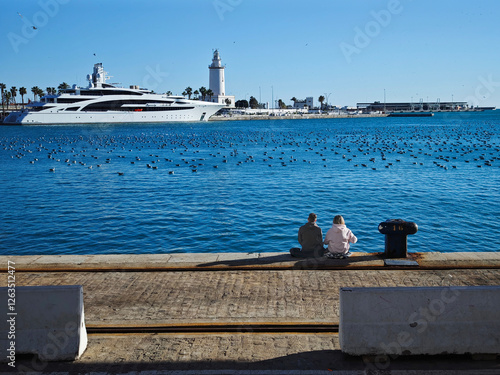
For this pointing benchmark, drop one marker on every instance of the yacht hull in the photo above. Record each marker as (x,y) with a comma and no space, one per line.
(200,113)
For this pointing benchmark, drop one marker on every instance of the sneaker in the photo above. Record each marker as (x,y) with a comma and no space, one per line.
(345,256)
(333,256)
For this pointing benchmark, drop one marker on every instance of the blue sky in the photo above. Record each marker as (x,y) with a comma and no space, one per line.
(348,50)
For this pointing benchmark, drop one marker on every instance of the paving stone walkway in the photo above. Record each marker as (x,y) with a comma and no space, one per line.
(117,298)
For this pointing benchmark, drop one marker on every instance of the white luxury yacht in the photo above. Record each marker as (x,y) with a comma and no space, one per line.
(101,102)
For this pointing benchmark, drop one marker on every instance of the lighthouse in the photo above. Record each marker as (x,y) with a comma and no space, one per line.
(217,82)
(217,75)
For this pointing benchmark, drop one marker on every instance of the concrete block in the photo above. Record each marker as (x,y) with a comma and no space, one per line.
(400,263)
(194,258)
(420,320)
(19,260)
(274,254)
(127,260)
(61,259)
(44,320)
(224,257)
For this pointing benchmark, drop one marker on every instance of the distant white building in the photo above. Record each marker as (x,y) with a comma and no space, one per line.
(217,82)
(303,103)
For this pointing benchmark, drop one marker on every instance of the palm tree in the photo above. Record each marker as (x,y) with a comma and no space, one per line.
(196,93)
(203,92)
(22,92)
(253,103)
(321,99)
(13,91)
(40,93)
(63,86)
(2,87)
(228,101)
(35,91)
(51,90)
(210,93)
(189,92)
(169,93)
(7,97)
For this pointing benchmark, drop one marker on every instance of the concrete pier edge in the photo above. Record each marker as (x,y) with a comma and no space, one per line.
(242,261)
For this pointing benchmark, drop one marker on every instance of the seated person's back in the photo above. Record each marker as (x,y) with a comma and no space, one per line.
(310,237)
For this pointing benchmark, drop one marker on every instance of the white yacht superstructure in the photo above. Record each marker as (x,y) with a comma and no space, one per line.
(101,102)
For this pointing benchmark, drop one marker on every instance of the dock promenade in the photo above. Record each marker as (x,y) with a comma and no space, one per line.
(299,116)
(237,313)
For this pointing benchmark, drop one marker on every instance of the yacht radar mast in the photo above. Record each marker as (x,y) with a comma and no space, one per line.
(99,77)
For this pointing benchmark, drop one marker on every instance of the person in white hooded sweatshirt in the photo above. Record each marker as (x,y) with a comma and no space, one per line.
(338,238)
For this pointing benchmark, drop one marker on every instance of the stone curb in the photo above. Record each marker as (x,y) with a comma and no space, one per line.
(244,261)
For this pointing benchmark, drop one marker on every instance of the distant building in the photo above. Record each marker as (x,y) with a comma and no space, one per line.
(301,104)
(217,82)
(412,106)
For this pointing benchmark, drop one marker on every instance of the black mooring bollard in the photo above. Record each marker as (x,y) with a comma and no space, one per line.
(396,232)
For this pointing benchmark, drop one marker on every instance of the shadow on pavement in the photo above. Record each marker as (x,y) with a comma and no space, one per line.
(323,360)
(285,261)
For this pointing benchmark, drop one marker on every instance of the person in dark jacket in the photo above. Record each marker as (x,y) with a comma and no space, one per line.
(310,238)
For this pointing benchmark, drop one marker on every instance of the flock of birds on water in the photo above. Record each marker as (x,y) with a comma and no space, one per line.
(379,148)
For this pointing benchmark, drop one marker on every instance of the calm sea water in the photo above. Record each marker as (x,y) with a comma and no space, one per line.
(247,186)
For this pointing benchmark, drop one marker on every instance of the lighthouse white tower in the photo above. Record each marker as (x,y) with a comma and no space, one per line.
(217,82)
